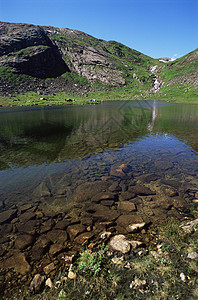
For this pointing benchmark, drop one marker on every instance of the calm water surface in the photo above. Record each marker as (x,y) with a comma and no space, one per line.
(67,174)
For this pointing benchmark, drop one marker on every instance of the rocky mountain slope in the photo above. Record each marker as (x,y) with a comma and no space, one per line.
(46,60)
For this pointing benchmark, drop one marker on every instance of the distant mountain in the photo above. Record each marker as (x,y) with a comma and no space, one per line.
(46,59)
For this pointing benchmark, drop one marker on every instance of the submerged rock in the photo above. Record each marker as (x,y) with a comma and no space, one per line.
(17,262)
(141,190)
(23,241)
(7,215)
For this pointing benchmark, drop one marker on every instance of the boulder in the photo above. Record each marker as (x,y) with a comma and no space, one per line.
(128,221)
(120,243)
(7,215)
(57,236)
(55,249)
(88,190)
(120,171)
(74,230)
(127,195)
(141,190)
(17,262)
(126,206)
(84,238)
(23,241)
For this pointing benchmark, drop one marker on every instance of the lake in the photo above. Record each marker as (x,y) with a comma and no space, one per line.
(69,173)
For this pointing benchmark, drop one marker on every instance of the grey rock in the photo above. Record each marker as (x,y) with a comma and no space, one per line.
(37,283)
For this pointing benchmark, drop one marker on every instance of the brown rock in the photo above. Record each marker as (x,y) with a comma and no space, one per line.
(40,247)
(126,206)
(84,238)
(5,229)
(141,190)
(23,241)
(119,171)
(62,224)
(88,190)
(128,220)
(107,203)
(103,196)
(55,249)
(49,268)
(74,230)
(127,195)
(18,262)
(28,227)
(171,192)
(104,213)
(7,215)
(57,236)
(26,216)
(148,177)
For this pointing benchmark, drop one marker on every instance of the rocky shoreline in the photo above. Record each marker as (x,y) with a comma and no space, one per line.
(41,236)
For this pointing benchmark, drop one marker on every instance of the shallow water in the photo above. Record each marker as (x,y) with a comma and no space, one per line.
(86,169)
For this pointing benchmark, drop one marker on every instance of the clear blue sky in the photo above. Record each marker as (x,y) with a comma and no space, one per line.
(158,28)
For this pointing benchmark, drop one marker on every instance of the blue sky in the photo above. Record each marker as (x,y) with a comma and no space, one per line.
(157,28)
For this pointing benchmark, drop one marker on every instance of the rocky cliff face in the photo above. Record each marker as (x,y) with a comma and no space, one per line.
(49,52)
(28,50)
(73,61)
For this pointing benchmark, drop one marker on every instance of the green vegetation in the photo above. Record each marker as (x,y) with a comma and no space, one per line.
(160,272)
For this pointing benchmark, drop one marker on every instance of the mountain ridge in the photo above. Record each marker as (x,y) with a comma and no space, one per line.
(48,59)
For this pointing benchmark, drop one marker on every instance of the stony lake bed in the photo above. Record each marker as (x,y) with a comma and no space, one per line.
(78,177)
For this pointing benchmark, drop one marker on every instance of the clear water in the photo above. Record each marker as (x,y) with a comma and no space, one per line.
(75,144)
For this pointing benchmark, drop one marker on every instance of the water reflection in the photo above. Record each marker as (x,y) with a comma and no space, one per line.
(69,174)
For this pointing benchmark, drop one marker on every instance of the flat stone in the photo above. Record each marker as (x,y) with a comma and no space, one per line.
(28,227)
(36,283)
(62,224)
(17,262)
(115,187)
(27,216)
(7,215)
(49,268)
(127,195)
(88,190)
(141,190)
(126,206)
(103,196)
(108,203)
(5,229)
(104,213)
(120,171)
(57,236)
(83,238)
(163,165)
(171,192)
(74,230)
(23,241)
(148,177)
(55,249)
(135,227)
(42,190)
(40,247)
(129,220)
(120,243)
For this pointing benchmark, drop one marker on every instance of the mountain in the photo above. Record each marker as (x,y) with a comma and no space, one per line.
(47,60)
